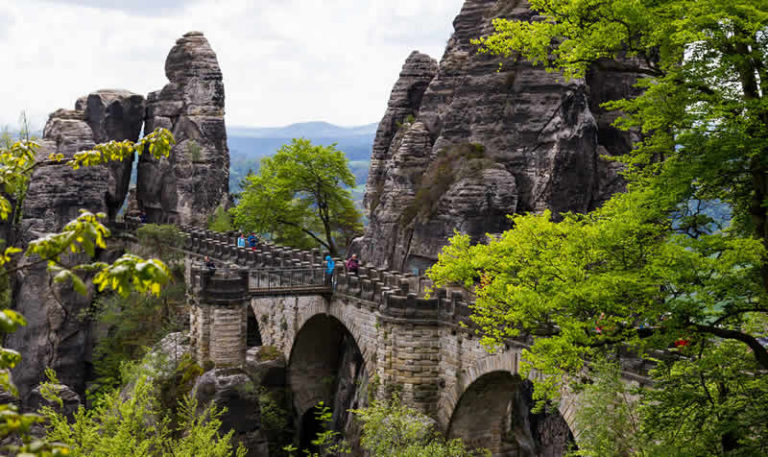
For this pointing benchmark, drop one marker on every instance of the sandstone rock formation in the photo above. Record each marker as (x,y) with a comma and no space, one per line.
(115,115)
(187,187)
(418,71)
(55,336)
(483,144)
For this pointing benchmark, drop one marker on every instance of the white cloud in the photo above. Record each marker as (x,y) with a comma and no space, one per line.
(283,62)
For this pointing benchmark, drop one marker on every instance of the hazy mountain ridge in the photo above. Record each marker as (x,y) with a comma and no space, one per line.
(319,129)
(247,145)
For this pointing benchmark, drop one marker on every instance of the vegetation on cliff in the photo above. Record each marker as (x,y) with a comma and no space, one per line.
(658,268)
(301,198)
(134,323)
(84,235)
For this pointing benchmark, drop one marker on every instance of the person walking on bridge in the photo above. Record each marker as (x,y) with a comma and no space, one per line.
(253,241)
(241,240)
(330,266)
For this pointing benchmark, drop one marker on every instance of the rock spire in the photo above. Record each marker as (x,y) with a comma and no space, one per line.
(187,187)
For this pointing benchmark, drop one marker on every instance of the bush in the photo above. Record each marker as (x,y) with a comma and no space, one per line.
(163,241)
(220,221)
(135,424)
(391,429)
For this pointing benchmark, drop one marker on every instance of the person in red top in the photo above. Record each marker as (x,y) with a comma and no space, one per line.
(353,265)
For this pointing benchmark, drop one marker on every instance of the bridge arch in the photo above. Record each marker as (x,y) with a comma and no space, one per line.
(494,413)
(325,365)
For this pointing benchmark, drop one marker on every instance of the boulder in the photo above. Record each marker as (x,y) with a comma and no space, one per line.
(234,390)
(266,373)
(70,400)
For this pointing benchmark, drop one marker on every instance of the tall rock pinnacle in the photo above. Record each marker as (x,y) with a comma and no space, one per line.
(187,187)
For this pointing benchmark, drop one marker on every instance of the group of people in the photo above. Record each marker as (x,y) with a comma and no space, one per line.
(352,265)
(252,241)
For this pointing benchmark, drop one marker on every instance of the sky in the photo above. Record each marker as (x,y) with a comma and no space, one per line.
(284,61)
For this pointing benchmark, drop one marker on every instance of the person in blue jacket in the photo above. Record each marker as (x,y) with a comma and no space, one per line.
(241,241)
(252,241)
(330,265)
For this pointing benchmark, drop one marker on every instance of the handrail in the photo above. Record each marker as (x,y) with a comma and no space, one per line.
(286,278)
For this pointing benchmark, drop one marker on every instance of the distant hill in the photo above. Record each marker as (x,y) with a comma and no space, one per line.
(247,145)
(307,129)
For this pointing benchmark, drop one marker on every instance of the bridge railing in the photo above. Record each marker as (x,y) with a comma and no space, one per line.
(265,279)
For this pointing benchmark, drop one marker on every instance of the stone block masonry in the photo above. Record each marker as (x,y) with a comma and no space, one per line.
(218,316)
(424,349)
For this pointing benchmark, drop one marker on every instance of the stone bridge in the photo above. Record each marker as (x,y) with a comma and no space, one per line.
(373,335)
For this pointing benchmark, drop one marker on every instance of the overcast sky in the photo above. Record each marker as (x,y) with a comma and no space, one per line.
(284,61)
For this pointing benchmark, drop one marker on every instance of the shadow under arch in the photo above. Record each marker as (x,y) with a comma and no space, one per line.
(494,412)
(253,330)
(325,365)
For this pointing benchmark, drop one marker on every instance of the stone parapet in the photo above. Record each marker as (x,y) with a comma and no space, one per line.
(395,294)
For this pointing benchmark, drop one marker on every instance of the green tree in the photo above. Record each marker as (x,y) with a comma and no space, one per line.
(301,197)
(678,263)
(220,221)
(81,236)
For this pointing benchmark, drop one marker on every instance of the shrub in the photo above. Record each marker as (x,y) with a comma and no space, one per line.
(391,429)
(136,424)
(220,221)
(163,241)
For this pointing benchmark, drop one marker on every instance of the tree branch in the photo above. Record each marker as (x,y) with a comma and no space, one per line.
(293,224)
(761,355)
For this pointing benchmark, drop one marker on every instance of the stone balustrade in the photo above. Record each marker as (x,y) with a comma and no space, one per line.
(395,294)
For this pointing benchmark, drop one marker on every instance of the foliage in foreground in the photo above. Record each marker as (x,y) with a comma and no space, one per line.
(677,265)
(389,429)
(84,235)
(300,197)
(135,425)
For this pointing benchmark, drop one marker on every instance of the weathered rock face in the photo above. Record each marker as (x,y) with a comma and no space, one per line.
(187,187)
(484,144)
(404,102)
(115,115)
(55,335)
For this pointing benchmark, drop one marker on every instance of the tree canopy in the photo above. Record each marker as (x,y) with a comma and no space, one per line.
(676,264)
(301,198)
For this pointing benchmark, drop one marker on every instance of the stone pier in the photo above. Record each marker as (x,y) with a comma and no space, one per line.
(218,316)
